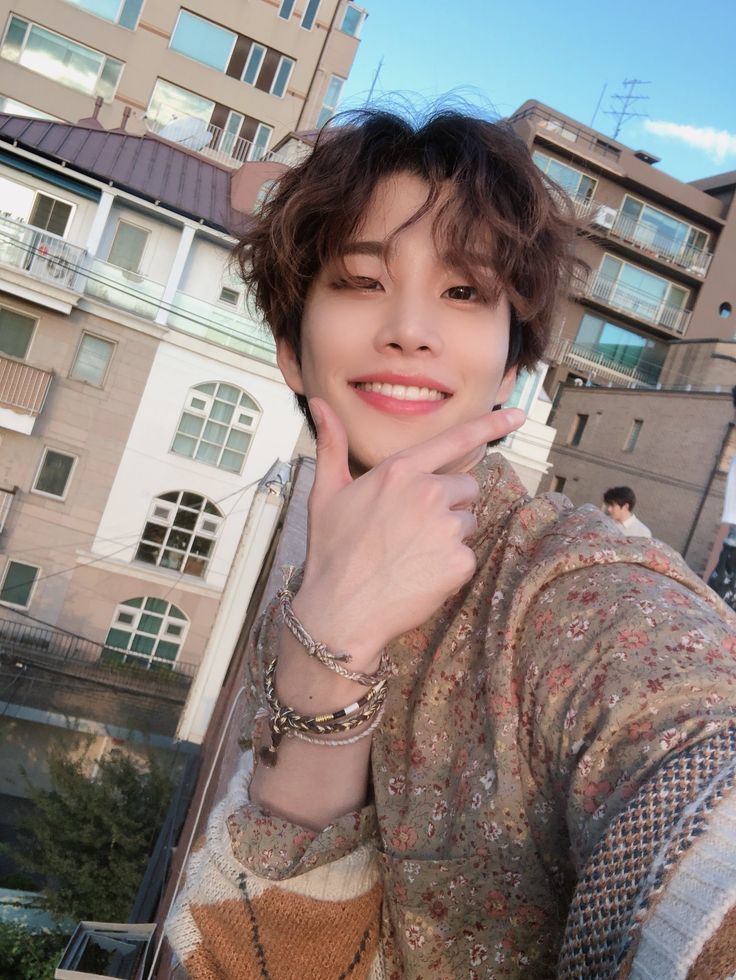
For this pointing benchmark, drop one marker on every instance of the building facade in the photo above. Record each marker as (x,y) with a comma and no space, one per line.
(227,79)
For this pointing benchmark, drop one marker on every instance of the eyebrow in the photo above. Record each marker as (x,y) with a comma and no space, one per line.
(377,249)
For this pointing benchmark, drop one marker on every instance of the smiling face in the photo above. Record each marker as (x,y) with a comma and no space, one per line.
(400,345)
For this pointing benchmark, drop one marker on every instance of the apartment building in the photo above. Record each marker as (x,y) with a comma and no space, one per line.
(141,411)
(226,79)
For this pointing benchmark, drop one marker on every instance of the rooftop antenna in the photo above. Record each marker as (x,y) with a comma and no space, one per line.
(598,104)
(623,112)
(376,73)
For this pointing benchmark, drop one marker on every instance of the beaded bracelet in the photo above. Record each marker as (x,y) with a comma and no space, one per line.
(333,661)
(285,721)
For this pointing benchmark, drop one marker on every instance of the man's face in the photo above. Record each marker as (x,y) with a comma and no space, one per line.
(619,512)
(405,348)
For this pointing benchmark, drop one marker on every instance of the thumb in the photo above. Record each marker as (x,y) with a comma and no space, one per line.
(331,472)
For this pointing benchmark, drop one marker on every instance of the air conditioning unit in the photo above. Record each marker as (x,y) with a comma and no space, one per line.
(604,217)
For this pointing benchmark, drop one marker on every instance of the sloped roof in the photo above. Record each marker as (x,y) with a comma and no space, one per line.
(147,166)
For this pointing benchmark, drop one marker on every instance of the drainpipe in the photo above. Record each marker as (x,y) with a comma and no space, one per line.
(328,35)
(706,492)
(263,515)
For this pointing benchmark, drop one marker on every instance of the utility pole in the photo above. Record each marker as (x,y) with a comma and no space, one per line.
(369,97)
(623,112)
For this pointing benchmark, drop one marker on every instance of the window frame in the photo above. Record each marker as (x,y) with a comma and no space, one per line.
(331,108)
(287,79)
(195,393)
(107,20)
(566,166)
(169,510)
(254,143)
(684,246)
(44,455)
(290,4)
(362,14)
(145,660)
(60,200)
(36,320)
(313,21)
(131,224)
(255,46)
(577,429)
(6,569)
(30,24)
(84,381)
(633,435)
(212,23)
(665,301)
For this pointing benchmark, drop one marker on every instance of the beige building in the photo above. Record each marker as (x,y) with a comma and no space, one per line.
(227,79)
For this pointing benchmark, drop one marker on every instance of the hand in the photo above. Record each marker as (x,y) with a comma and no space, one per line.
(385,550)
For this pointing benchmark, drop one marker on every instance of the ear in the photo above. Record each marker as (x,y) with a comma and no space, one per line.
(289,366)
(506,386)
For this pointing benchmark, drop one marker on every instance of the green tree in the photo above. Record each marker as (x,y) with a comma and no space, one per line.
(91,837)
(26,955)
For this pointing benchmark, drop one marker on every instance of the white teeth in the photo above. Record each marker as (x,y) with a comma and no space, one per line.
(409,393)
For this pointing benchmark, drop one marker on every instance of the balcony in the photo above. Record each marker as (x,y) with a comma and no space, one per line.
(644,237)
(31,258)
(639,305)
(6,500)
(212,141)
(567,133)
(23,391)
(585,359)
(128,291)
(222,326)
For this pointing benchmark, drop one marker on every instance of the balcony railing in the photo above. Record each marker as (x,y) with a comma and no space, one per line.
(635,302)
(127,290)
(567,132)
(228,327)
(6,500)
(212,141)
(595,364)
(42,255)
(647,238)
(23,388)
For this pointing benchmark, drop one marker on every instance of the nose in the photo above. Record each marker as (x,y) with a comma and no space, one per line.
(409,325)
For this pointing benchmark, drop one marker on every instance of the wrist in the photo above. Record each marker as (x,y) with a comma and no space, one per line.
(330,624)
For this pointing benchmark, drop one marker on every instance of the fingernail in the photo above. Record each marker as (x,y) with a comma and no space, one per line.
(514,415)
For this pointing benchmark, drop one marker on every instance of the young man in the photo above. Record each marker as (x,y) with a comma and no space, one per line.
(543,784)
(619,503)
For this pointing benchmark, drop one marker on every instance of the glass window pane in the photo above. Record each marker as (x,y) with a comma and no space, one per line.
(191,424)
(62,60)
(238,440)
(310,13)
(109,78)
(14,38)
(202,40)
(130,14)
(148,553)
(228,393)
(127,247)
(133,603)
(169,102)
(222,412)
(201,546)
(125,617)
(179,540)
(50,214)
(108,9)
(207,453)
(282,77)
(253,64)
(351,21)
(232,461)
(171,559)
(213,432)
(176,613)
(149,623)
(16,331)
(18,583)
(54,473)
(184,446)
(167,650)
(286,8)
(154,533)
(92,360)
(185,519)
(118,638)
(156,605)
(173,629)
(192,500)
(142,644)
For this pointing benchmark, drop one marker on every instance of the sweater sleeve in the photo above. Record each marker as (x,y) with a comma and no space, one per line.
(629,680)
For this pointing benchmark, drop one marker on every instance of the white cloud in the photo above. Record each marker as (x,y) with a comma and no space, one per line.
(717,143)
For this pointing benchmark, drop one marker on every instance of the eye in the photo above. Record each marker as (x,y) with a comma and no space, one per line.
(463,293)
(363,283)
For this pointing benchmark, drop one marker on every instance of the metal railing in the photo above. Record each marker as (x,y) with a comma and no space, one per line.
(566,131)
(23,387)
(62,647)
(635,302)
(223,326)
(6,499)
(646,237)
(212,142)
(44,256)
(584,357)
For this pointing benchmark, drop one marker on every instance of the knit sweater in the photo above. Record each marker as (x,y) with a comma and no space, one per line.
(563,723)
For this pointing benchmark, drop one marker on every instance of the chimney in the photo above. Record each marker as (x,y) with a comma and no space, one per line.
(98,106)
(124,120)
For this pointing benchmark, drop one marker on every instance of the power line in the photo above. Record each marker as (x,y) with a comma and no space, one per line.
(623,112)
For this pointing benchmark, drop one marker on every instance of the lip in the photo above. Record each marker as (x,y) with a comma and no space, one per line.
(400,406)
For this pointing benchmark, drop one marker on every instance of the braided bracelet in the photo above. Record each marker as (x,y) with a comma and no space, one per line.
(335,743)
(285,721)
(333,661)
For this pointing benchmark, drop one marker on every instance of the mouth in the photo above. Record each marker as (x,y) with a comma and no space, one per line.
(401,395)
(408,393)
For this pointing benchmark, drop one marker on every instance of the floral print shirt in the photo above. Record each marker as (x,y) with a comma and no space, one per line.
(525,714)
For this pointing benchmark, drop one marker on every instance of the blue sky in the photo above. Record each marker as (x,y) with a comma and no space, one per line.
(498,53)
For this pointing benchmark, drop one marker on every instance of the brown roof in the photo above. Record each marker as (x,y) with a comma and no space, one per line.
(147,166)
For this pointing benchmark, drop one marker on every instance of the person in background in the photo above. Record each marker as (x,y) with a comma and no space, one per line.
(619,503)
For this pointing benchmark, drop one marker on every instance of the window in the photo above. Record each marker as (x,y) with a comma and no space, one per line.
(286,8)
(15,108)
(253,63)
(60,59)
(641,293)
(662,234)
(332,97)
(202,40)
(50,214)
(577,429)
(310,14)
(123,12)
(216,426)
(260,143)
(16,331)
(93,359)
(620,348)
(128,246)
(180,533)
(573,182)
(633,436)
(18,582)
(169,102)
(282,76)
(147,632)
(54,474)
(352,20)
(229,296)
(559,484)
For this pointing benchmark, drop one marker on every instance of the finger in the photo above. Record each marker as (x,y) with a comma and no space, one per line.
(467,523)
(331,471)
(457,441)
(460,490)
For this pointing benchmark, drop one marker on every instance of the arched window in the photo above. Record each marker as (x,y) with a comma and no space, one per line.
(217,425)
(180,532)
(146,632)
